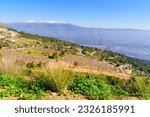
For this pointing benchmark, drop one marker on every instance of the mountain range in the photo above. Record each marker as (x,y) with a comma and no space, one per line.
(131,42)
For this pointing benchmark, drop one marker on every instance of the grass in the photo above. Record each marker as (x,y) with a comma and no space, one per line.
(38,52)
(143,87)
(55,80)
(135,86)
(95,87)
(58,79)
(32,81)
(10,68)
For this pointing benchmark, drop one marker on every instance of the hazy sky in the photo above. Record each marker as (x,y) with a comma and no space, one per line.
(91,13)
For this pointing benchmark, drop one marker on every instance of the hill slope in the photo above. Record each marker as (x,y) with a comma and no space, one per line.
(131,42)
(33,66)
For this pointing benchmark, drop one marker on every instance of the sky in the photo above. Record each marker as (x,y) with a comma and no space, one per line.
(88,13)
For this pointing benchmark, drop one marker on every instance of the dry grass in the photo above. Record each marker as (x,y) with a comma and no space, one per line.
(58,78)
(54,77)
(10,68)
(94,66)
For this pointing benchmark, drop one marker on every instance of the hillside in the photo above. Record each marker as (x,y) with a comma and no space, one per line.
(47,68)
(130,42)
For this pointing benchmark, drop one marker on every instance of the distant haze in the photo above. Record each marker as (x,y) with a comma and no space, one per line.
(131,42)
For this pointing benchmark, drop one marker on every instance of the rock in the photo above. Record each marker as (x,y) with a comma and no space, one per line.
(54,94)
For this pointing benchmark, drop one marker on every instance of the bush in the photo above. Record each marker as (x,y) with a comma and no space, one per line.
(119,92)
(11,68)
(93,88)
(58,79)
(54,56)
(75,63)
(21,87)
(1,46)
(30,65)
(135,86)
(142,86)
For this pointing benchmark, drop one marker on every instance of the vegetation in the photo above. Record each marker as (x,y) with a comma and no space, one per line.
(93,88)
(1,46)
(37,52)
(54,56)
(32,80)
(58,79)
(112,57)
(104,87)
(54,80)
(21,87)
(46,39)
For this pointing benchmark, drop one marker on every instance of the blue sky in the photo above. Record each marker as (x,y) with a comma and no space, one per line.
(91,13)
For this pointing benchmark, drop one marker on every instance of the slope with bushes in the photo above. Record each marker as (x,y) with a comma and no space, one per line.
(32,67)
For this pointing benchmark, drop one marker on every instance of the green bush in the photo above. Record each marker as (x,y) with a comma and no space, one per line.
(142,86)
(93,88)
(54,56)
(135,86)
(119,92)
(21,87)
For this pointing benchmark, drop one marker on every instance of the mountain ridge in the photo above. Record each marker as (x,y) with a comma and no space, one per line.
(92,27)
(131,42)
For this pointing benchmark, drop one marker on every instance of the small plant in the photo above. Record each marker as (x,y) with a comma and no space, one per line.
(1,46)
(39,64)
(30,65)
(54,56)
(75,63)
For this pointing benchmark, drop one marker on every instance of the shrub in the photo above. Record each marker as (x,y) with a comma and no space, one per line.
(142,86)
(75,63)
(10,68)
(1,46)
(119,91)
(39,64)
(58,79)
(93,88)
(30,65)
(54,56)
(135,86)
(21,87)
